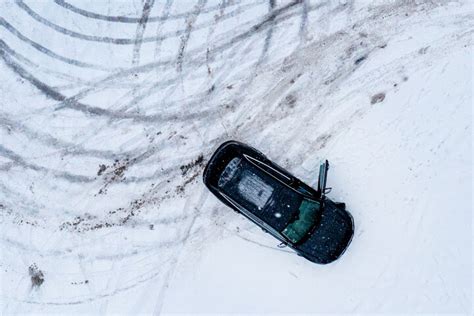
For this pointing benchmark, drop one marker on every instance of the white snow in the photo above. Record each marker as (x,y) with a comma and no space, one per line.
(103,139)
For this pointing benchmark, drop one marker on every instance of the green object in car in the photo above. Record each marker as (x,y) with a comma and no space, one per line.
(305,220)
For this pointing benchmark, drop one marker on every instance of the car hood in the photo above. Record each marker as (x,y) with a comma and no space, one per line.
(330,237)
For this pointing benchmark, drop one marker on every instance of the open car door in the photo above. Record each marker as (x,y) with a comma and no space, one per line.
(323,175)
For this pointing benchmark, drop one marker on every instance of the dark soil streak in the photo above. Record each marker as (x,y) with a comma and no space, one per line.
(198,162)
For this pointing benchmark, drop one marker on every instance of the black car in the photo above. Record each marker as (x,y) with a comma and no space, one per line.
(299,216)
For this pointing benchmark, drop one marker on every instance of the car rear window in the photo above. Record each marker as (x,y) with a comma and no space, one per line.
(259,193)
(229,171)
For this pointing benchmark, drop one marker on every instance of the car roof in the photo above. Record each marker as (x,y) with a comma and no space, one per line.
(282,206)
(230,149)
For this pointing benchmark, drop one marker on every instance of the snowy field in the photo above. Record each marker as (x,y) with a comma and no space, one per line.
(109,111)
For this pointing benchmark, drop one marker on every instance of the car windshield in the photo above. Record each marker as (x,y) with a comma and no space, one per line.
(262,195)
(304,221)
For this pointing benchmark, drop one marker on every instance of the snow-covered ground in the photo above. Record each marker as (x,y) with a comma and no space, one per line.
(110,109)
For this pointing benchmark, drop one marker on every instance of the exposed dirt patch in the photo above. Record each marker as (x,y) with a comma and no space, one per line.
(37,276)
(79,283)
(290,100)
(27,222)
(102,168)
(423,50)
(377,98)
(292,81)
(359,60)
(211,89)
(77,222)
(117,217)
(114,173)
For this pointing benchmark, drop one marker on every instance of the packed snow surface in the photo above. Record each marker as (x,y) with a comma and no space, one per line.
(109,111)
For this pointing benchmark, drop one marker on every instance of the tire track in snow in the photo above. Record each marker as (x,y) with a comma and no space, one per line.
(264,50)
(148,67)
(165,15)
(67,148)
(48,52)
(197,103)
(304,21)
(44,88)
(198,53)
(60,75)
(222,6)
(190,20)
(49,92)
(269,36)
(112,40)
(148,5)
(273,17)
(77,63)
(19,161)
(177,256)
(126,19)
